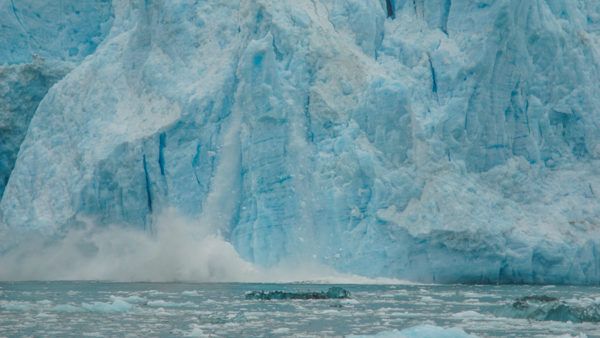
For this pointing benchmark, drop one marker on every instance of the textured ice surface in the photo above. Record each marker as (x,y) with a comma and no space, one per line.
(67,30)
(542,307)
(22,87)
(41,42)
(444,140)
(164,309)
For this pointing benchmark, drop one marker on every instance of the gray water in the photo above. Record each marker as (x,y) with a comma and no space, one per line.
(64,309)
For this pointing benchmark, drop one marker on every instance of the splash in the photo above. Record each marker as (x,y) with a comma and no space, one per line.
(178,250)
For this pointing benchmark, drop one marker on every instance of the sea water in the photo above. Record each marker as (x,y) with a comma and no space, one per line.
(63,309)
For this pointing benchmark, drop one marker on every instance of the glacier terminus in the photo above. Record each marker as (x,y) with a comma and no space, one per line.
(429,140)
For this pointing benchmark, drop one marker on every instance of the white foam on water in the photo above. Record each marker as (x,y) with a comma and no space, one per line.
(196,332)
(163,303)
(15,305)
(129,299)
(281,330)
(420,331)
(192,293)
(468,315)
(69,308)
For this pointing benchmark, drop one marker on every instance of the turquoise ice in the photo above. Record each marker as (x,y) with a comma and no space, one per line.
(432,140)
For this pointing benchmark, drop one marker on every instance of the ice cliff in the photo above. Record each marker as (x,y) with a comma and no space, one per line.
(41,42)
(433,140)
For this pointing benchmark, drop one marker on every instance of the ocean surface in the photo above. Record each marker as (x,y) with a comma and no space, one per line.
(65,309)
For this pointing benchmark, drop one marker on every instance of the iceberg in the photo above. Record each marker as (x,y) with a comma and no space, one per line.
(335,292)
(430,140)
(543,307)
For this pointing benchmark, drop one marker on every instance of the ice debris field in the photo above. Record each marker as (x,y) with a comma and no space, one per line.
(429,140)
(65,309)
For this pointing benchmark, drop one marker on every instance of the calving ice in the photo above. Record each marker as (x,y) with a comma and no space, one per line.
(430,140)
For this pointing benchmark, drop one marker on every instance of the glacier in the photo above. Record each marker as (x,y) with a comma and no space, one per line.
(430,140)
(37,52)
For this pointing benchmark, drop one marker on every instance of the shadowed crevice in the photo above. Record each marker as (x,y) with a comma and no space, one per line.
(389,4)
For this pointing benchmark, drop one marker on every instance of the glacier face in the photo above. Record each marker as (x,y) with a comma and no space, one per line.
(450,140)
(41,42)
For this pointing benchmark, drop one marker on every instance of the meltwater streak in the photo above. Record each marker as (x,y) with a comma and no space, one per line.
(178,250)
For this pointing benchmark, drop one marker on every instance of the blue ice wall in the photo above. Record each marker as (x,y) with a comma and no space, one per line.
(41,42)
(455,141)
(63,29)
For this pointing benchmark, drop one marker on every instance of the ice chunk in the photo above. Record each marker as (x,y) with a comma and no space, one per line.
(331,293)
(163,303)
(543,307)
(117,305)
(421,331)
(16,305)
(192,293)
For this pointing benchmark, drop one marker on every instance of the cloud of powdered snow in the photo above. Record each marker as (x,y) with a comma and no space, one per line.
(178,249)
